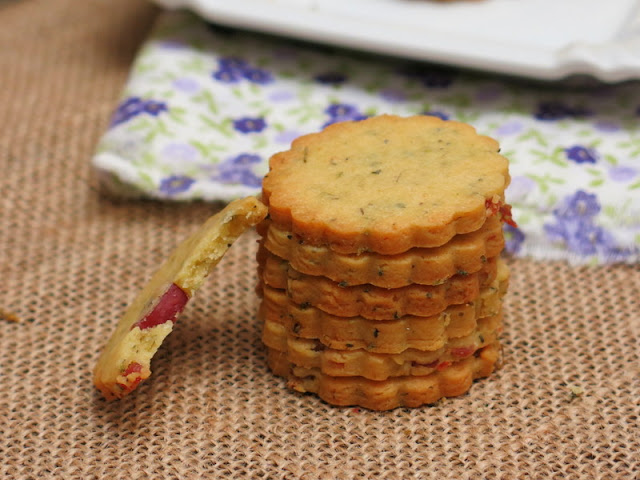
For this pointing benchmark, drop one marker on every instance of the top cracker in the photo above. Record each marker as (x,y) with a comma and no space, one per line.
(386,184)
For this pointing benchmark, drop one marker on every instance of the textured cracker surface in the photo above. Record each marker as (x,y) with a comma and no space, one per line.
(69,260)
(394,392)
(426,266)
(385,184)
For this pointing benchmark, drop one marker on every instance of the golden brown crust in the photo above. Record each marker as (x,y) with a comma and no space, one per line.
(405,391)
(426,266)
(310,353)
(377,303)
(385,184)
(382,336)
(278,337)
(125,360)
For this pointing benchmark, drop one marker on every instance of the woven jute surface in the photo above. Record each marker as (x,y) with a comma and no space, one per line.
(565,403)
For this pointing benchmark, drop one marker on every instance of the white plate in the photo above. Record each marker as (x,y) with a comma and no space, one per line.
(543,39)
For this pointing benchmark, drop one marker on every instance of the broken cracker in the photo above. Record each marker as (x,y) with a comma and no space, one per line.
(126,358)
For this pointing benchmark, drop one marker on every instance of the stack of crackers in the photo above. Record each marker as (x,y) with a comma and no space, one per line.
(381,281)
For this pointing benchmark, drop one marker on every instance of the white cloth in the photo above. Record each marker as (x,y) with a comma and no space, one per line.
(205,107)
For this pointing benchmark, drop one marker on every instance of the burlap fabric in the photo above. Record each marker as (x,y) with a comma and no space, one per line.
(565,404)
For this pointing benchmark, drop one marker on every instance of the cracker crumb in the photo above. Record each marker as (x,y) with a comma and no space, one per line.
(9,316)
(576,391)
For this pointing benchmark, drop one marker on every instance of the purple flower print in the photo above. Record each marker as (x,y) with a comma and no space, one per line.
(555,110)
(230,70)
(514,238)
(177,152)
(128,109)
(257,76)
(437,113)
(234,70)
(575,226)
(606,126)
(237,169)
(172,45)
(330,78)
(249,124)
(617,253)
(281,96)
(342,112)
(244,177)
(155,108)
(580,236)
(519,188)
(186,84)
(232,63)
(622,173)
(510,128)
(581,154)
(393,95)
(579,205)
(134,106)
(287,136)
(176,184)
(227,75)
(590,239)
(244,159)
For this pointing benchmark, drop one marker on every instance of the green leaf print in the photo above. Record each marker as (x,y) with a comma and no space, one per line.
(546,181)
(535,135)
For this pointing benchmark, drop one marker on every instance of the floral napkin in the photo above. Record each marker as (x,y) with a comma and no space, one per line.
(205,107)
